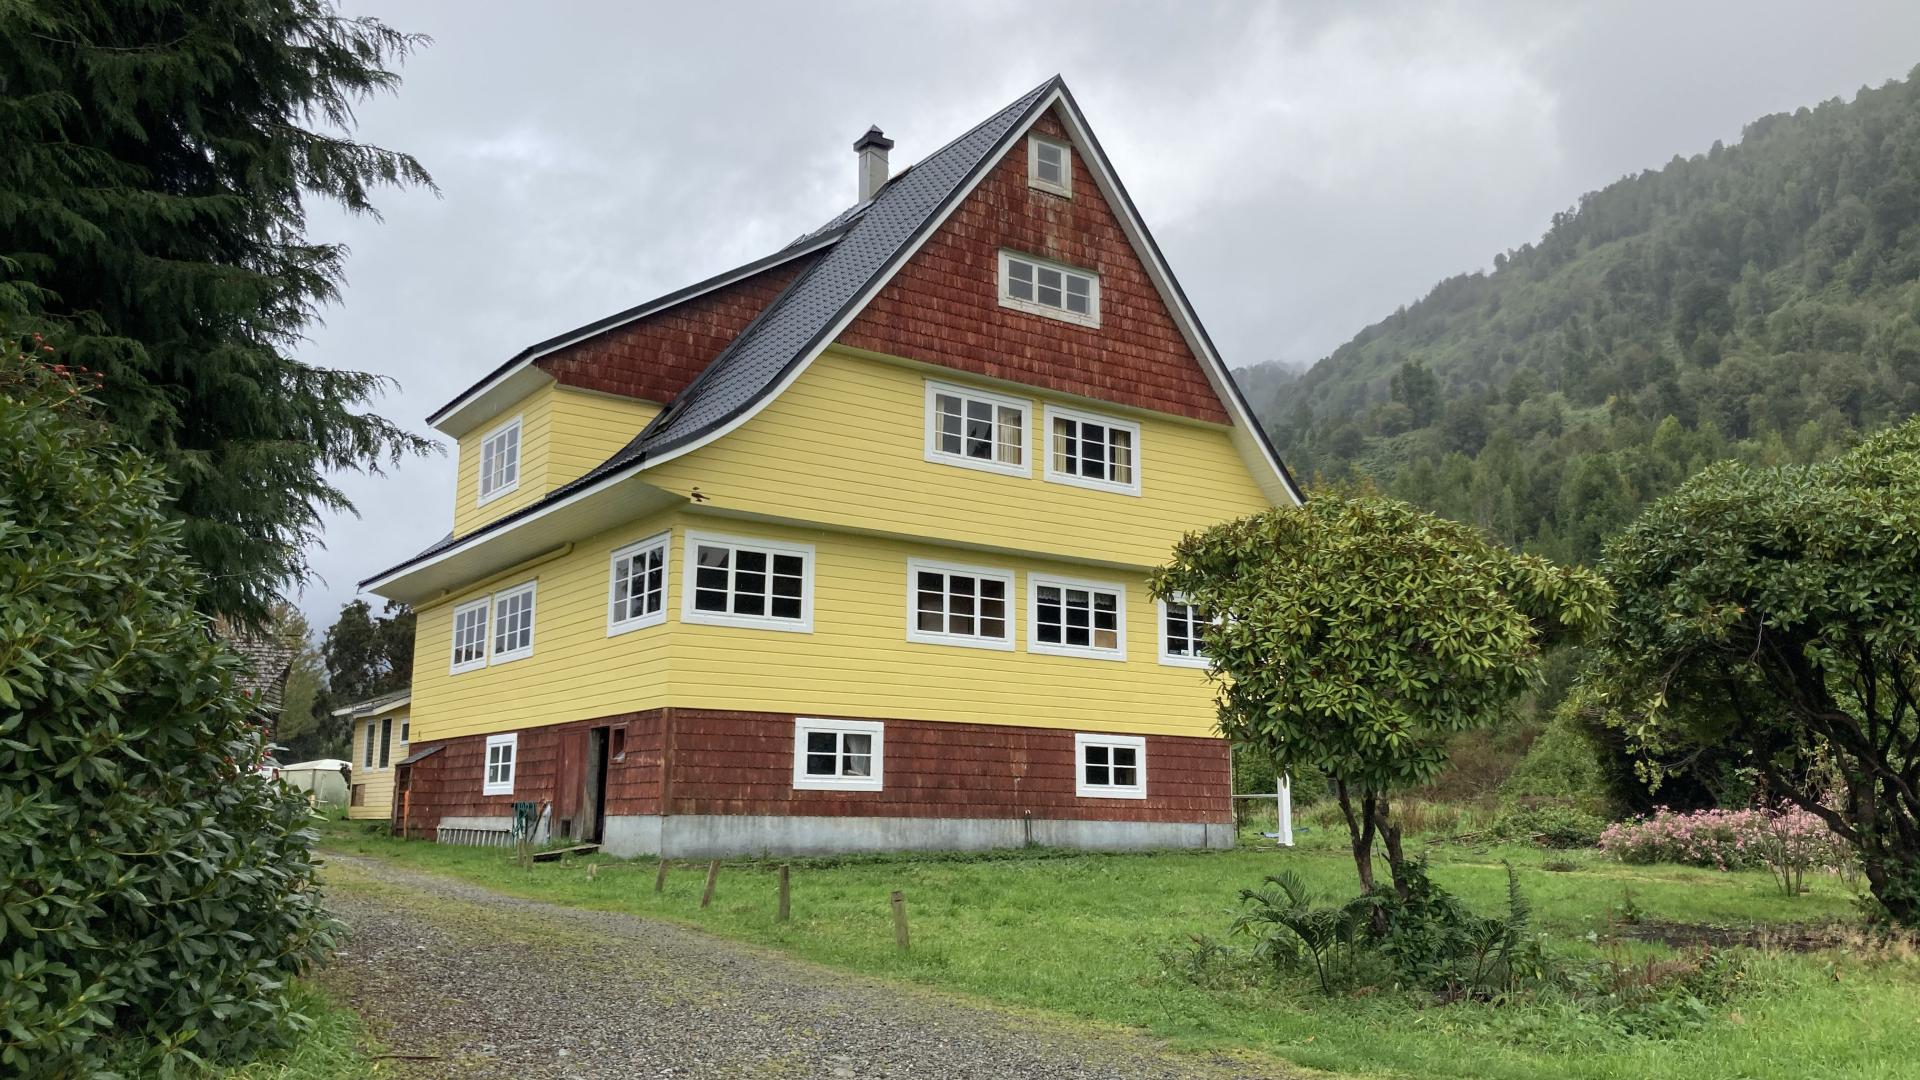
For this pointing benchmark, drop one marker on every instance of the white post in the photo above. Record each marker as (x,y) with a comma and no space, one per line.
(1283,817)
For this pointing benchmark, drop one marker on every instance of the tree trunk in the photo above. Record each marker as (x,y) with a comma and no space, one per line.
(1396,856)
(1360,827)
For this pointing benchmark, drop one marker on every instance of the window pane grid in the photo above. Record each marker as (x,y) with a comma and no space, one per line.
(1112,766)
(1052,287)
(749,581)
(639,584)
(1077,618)
(960,605)
(979,429)
(470,635)
(513,623)
(500,460)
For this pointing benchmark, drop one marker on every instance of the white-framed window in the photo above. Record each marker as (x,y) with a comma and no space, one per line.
(1110,766)
(512,623)
(1090,450)
(1039,287)
(1076,618)
(386,742)
(1181,628)
(470,635)
(501,753)
(637,591)
(959,605)
(1050,165)
(405,726)
(764,584)
(368,759)
(500,461)
(838,755)
(977,429)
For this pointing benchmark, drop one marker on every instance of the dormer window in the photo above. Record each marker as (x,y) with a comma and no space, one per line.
(1044,288)
(1050,165)
(500,461)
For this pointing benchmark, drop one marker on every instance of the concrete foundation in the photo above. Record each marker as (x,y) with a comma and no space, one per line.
(706,836)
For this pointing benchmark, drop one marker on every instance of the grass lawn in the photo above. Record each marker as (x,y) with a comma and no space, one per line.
(334,1049)
(1082,935)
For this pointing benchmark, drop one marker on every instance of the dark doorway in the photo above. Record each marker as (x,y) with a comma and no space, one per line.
(595,817)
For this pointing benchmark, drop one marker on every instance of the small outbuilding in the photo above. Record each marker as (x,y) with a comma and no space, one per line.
(380,730)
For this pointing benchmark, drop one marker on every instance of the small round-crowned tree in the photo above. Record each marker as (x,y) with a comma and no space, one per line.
(1354,635)
(1775,613)
(156,894)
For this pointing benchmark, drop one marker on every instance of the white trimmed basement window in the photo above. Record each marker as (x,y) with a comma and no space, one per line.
(500,461)
(1089,450)
(1110,766)
(1050,165)
(470,635)
(1039,287)
(637,595)
(761,584)
(838,755)
(501,750)
(513,623)
(959,605)
(1076,618)
(1181,628)
(977,430)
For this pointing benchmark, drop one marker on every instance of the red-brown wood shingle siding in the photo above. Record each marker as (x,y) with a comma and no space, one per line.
(448,783)
(943,306)
(742,763)
(655,358)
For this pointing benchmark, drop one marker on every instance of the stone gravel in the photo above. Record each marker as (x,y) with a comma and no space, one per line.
(460,981)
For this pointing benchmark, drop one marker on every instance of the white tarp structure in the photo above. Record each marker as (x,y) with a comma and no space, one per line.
(323,779)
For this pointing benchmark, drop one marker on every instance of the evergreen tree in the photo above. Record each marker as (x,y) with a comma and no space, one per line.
(158,158)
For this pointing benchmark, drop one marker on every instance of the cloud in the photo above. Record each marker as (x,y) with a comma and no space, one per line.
(1306,167)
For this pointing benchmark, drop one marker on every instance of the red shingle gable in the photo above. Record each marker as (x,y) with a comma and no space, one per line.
(943,306)
(656,357)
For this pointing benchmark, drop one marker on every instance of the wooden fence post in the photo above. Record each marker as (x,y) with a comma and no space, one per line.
(786,907)
(713,875)
(660,876)
(900,919)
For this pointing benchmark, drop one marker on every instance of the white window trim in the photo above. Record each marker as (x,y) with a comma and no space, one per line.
(928,637)
(367,754)
(1080,416)
(1087,791)
(1197,660)
(1035,645)
(486,637)
(406,729)
(941,457)
(488,787)
(663,541)
(1065,187)
(801,781)
(1033,307)
(483,496)
(690,568)
(493,628)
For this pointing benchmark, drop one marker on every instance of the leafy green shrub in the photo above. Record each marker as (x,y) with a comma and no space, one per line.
(1551,826)
(155,893)
(1562,765)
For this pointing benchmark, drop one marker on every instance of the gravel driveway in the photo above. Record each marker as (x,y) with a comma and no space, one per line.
(486,985)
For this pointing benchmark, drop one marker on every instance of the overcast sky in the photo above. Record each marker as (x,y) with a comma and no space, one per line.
(1306,168)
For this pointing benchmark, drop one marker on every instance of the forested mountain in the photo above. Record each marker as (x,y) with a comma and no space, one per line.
(1759,301)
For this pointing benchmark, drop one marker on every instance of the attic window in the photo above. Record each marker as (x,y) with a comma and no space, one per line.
(500,461)
(1050,165)
(1043,288)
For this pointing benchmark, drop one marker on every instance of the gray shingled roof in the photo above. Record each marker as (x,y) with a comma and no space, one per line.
(790,328)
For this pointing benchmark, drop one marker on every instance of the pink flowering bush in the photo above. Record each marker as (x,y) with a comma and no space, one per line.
(1788,842)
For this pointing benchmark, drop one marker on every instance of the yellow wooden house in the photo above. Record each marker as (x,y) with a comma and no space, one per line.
(847,548)
(380,728)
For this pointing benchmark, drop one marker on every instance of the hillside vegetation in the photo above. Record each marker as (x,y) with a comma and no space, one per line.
(1759,301)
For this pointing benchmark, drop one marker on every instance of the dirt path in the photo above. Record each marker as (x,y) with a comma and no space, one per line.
(501,987)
